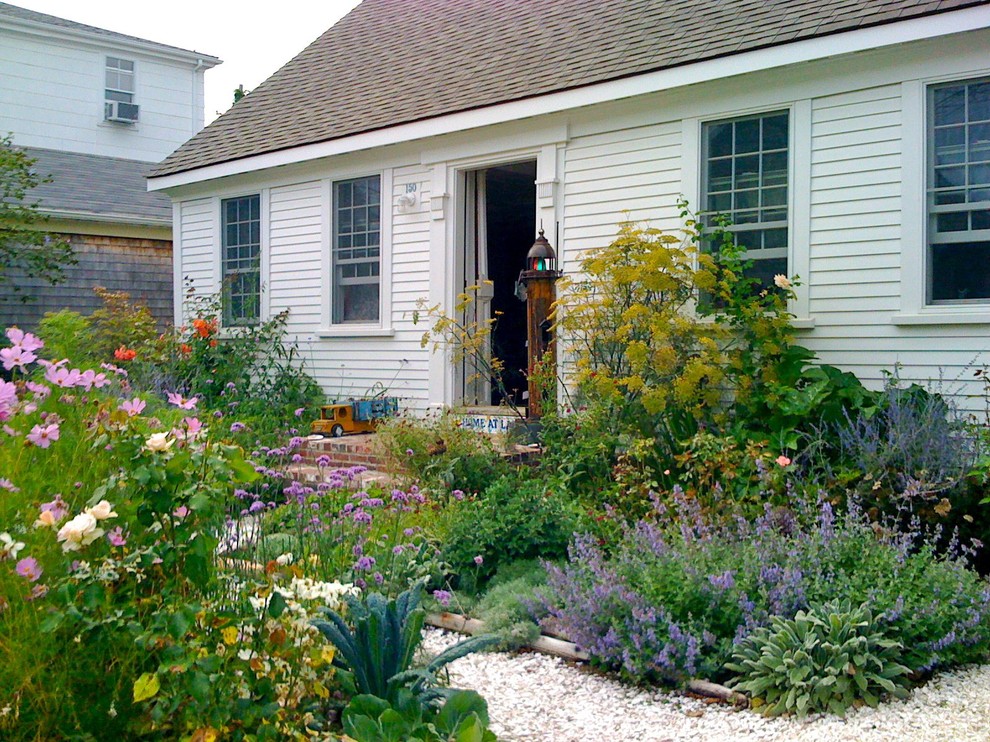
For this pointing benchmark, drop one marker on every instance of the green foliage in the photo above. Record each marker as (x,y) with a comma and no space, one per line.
(379,650)
(67,335)
(119,322)
(516,518)
(440,453)
(25,248)
(825,659)
(463,718)
(513,602)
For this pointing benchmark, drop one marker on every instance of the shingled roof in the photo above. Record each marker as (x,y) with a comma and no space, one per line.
(16,13)
(391,62)
(97,188)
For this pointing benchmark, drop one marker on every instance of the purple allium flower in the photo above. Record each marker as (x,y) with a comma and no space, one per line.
(237,427)
(478,559)
(364,564)
(443,597)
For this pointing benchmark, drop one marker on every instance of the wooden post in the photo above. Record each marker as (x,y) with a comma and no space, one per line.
(540,295)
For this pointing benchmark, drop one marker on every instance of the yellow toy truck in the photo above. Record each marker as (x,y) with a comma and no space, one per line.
(355,416)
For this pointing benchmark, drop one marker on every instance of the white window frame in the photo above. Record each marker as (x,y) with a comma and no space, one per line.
(340,263)
(932,210)
(222,270)
(798,191)
(382,327)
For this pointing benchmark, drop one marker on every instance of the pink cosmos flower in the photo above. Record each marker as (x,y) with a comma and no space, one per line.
(8,393)
(783,461)
(181,512)
(6,484)
(133,407)
(40,391)
(181,402)
(29,569)
(63,377)
(38,591)
(26,340)
(115,369)
(116,537)
(42,436)
(16,357)
(193,426)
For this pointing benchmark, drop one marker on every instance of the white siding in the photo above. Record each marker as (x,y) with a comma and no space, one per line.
(856,252)
(634,174)
(52,96)
(195,247)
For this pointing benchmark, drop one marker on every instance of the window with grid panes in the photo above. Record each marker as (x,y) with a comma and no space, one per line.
(745,178)
(959,192)
(119,80)
(356,249)
(241,260)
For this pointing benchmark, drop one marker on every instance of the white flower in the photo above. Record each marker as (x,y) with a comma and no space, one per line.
(284,559)
(78,532)
(158,442)
(9,547)
(782,281)
(101,510)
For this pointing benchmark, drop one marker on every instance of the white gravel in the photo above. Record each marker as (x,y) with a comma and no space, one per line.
(537,697)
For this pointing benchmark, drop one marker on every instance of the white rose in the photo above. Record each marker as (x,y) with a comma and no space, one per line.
(101,510)
(158,442)
(782,281)
(78,532)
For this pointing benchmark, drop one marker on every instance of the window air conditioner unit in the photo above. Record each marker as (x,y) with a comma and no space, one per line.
(126,113)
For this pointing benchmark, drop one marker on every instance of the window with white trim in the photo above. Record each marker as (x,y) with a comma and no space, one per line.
(119,80)
(356,250)
(241,259)
(959,192)
(745,178)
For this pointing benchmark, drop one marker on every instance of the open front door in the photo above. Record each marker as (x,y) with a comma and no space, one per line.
(499,228)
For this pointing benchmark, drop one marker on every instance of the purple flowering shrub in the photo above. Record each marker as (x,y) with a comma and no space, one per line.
(676,593)
(338,525)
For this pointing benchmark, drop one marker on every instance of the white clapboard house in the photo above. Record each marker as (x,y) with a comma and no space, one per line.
(415,148)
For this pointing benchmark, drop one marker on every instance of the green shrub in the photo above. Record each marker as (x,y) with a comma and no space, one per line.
(67,335)
(514,519)
(513,603)
(440,453)
(825,659)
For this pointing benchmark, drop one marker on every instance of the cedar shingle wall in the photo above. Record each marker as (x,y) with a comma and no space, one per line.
(142,268)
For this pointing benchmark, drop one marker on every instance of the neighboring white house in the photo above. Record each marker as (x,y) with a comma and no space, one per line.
(415,148)
(95,109)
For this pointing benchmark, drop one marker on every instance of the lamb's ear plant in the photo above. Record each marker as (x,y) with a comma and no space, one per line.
(823,660)
(379,650)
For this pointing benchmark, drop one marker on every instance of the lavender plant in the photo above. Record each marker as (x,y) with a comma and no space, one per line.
(677,593)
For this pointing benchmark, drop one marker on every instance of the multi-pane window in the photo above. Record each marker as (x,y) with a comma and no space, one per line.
(745,179)
(119,80)
(241,258)
(356,249)
(959,192)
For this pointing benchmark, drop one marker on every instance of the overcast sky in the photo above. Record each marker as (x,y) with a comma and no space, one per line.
(252,43)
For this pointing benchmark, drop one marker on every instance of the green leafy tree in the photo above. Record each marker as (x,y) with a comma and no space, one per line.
(25,248)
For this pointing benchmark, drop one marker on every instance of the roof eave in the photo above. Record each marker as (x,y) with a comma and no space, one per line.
(807,50)
(203,61)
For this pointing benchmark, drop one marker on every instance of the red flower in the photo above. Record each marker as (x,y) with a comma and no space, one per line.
(185,349)
(123,353)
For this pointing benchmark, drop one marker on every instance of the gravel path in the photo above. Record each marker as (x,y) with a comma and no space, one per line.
(537,697)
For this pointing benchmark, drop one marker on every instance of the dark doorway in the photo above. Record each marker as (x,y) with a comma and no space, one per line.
(504,227)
